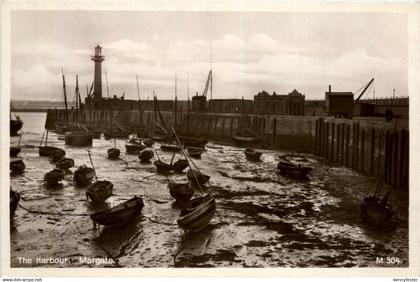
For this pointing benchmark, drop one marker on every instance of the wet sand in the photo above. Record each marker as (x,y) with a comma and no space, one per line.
(263,219)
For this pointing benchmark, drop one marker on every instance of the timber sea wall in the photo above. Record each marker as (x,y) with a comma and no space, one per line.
(371,146)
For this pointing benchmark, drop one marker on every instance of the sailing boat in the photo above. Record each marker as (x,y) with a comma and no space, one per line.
(15,124)
(245,136)
(100,190)
(113,153)
(82,137)
(159,132)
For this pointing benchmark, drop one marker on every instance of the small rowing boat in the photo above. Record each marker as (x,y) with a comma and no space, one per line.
(162,167)
(146,155)
(170,148)
(180,165)
(293,170)
(99,191)
(14,151)
(195,152)
(113,153)
(83,175)
(252,154)
(197,213)
(181,191)
(57,155)
(17,166)
(53,177)
(65,163)
(119,214)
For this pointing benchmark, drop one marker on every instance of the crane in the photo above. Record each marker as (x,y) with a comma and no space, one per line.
(364,90)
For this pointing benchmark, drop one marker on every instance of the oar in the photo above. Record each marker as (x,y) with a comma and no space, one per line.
(90,158)
(186,157)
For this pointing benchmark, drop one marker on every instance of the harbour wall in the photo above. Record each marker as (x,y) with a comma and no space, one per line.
(373,147)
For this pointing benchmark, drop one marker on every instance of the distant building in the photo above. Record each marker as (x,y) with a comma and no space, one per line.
(198,103)
(339,104)
(233,106)
(290,104)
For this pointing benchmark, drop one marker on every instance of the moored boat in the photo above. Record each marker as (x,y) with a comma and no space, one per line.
(46,151)
(181,191)
(17,166)
(162,167)
(293,170)
(120,213)
(99,191)
(14,151)
(180,165)
(54,176)
(146,155)
(113,153)
(193,141)
(15,126)
(170,148)
(134,146)
(252,154)
(195,152)
(377,212)
(197,213)
(148,142)
(83,175)
(116,133)
(14,198)
(79,138)
(201,177)
(57,155)
(65,163)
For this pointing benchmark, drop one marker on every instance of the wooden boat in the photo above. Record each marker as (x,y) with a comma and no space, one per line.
(113,153)
(54,176)
(61,128)
(120,213)
(14,201)
(148,142)
(57,155)
(17,166)
(192,141)
(46,151)
(146,155)
(293,170)
(14,151)
(195,152)
(377,212)
(134,146)
(181,192)
(162,167)
(180,165)
(83,175)
(252,154)
(170,148)
(116,133)
(65,163)
(79,138)
(201,178)
(15,126)
(197,213)
(243,140)
(99,191)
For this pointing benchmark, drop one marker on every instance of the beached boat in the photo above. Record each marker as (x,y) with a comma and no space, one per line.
(83,175)
(14,201)
(252,154)
(201,178)
(54,177)
(120,213)
(113,153)
(79,138)
(116,133)
(197,213)
(146,155)
(243,140)
(148,142)
(14,151)
(134,146)
(17,166)
(170,148)
(189,141)
(195,152)
(181,191)
(377,212)
(46,151)
(293,170)
(99,191)
(180,165)
(162,167)
(15,125)
(65,163)
(57,155)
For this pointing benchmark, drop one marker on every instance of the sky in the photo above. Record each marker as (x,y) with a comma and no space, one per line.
(247,51)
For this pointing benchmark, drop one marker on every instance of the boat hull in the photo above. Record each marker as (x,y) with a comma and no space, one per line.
(65,163)
(14,151)
(17,166)
(83,175)
(293,170)
(120,213)
(375,215)
(15,126)
(252,154)
(113,153)
(54,177)
(79,139)
(99,191)
(170,148)
(46,151)
(146,155)
(181,192)
(199,217)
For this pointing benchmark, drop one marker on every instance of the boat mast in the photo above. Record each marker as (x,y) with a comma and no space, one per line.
(175,106)
(138,95)
(109,102)
(188,104)
(77,98)
(65,97)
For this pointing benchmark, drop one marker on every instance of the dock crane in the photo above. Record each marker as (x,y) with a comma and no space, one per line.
(363,91)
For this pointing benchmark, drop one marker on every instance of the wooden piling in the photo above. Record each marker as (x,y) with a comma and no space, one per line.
(223,127)
(274,130)
(347,148)
(332,141)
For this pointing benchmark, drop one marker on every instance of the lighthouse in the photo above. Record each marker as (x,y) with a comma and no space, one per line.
(98,59)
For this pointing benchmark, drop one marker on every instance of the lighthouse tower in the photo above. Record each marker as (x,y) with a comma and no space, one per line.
(98,59)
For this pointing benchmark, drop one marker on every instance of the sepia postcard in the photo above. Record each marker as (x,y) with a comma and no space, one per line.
(209,138)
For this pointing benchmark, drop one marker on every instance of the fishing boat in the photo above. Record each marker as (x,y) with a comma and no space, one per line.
(15,125)
(57,155)
(54,177)
(14,151)
(113,153)
(79,138)
(46,151)
(180,165)
(65,163)
(120,213)
(134,146)
(244,140)
(14,201)
(99,191)
(146,155)
(195,152)
(293,170)
(252,154)
(189,141)
(197,213)
(83,175)
(170,148)
(162,167)
(181,191)
(17,166)
(201,177)
(148,142)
